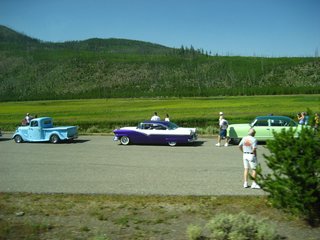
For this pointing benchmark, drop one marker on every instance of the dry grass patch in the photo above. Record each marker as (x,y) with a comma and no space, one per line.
(61,216)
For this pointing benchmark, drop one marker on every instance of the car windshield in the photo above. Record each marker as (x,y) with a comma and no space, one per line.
(158,126)
(172,126)
(260,123)
(252,123)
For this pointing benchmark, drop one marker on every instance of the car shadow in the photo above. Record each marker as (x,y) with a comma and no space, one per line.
(261,143)
(198,143)
(193,144)
(3,139)
(76,141)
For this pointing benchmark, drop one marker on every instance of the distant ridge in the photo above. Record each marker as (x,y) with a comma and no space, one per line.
(8,35)
(31,69)
(117,45)
(112,45)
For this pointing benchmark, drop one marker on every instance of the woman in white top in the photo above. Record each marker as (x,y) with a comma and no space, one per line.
(167,119)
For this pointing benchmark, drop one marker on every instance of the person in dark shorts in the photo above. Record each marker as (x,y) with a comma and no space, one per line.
(223,126)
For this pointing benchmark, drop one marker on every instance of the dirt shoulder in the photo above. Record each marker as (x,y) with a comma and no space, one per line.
(62,216)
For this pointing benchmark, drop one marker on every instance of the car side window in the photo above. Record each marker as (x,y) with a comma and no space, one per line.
(282,123)
(160,127)
(277,123)
(147,126)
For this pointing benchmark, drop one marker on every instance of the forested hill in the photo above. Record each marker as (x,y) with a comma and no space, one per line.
(31,69)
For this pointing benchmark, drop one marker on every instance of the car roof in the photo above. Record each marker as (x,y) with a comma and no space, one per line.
(274,118)
(41,118)
(156,122)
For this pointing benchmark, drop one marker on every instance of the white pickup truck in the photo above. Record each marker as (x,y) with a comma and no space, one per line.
(42,130)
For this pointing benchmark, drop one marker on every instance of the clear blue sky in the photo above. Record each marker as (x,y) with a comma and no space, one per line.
(271,28)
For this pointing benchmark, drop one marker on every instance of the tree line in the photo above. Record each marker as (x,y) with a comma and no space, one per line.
(107,68)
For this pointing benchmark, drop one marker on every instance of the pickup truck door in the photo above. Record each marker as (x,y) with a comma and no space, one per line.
(34,131)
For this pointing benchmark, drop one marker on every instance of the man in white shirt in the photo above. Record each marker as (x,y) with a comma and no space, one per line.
(155,117)
(248,146)
(27,119)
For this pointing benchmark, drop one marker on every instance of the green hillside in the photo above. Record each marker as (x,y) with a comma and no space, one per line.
(31,69)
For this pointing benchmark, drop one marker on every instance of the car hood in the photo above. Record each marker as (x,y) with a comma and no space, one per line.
(182,129)
(128,128)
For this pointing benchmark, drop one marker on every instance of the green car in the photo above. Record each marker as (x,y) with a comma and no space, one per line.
(264,126)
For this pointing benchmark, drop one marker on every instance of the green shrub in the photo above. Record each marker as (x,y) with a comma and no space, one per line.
(194,232)
(93,129)
(209,130)
(237,227)
(294,181)
(241,226)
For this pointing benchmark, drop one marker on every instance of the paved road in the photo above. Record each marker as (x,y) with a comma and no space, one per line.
(97,164)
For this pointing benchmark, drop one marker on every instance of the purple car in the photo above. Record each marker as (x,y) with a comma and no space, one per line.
(155,132)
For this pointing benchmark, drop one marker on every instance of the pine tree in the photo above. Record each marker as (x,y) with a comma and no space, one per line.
(294,181)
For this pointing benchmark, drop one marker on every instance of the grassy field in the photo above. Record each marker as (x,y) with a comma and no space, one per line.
(103,115)
(103,217)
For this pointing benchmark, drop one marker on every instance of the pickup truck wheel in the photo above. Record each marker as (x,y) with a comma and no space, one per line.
(54,138)
(18,139)
(124,140)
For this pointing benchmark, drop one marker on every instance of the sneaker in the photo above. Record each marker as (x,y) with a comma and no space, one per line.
(255,186)
(245,185)
(218,145)
(226,144)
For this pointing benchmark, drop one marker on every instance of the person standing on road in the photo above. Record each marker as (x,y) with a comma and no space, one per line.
(248,146)
(223,126)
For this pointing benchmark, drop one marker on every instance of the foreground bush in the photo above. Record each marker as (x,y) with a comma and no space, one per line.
(294,183)
(228,226)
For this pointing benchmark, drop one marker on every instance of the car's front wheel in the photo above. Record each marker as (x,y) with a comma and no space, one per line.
(18,139)
(124,140)
(172,143)
(54,138)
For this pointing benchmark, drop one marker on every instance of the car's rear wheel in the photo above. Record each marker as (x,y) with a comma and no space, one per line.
(124,140)
(172,143)
(18,139)
(54,138)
